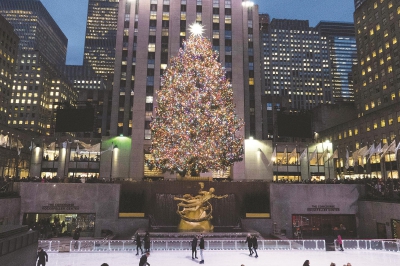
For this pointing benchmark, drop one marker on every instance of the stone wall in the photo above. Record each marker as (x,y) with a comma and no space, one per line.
(371,213)
(101,199)
(10,211)
(289,199)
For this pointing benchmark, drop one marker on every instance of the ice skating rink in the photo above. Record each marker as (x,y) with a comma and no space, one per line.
(230,258)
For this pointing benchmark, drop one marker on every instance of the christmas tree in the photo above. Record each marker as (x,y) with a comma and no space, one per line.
(195,126)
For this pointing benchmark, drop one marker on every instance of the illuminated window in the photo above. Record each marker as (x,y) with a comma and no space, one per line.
(390,119)
(356,131)
(366,107)
(368,128)
(371,32)
(394,40)
(375,124)
(383,122)
(393,96)
(350,133)
(390,69)
(372,104)
(390,4)
(378,27)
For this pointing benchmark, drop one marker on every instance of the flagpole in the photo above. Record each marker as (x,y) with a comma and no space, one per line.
(54,155)
(297,164)
(329,169)
(317,160)
(287,164)
(276,161)
(338,162)
(65,160)
(308,165)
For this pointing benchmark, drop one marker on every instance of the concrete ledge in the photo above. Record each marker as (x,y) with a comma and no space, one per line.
(258,215)
(131,215)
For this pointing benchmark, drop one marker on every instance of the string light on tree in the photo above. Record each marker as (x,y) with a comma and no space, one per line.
(195,127)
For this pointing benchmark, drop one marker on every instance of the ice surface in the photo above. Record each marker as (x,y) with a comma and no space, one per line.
(230,258)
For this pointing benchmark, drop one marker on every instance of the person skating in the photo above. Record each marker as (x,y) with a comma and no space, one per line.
(138,244)
(255,245)
(201,245)
(340,242)
(194,247)
(143,259)
(146,240)
(42,257)
(249,244)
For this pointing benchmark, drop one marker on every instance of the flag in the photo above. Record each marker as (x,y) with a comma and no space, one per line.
(324,153)
(273,157)
(33,146)
(384,149)
(378,149)
(94,148)
(77,149)
(52,146)
(313,155)
(347,160)
(335,154)
(362,153)
(303,154)
(284,157)
(293,154)
(390,148)
(64,144)
(371,151)
(395,152)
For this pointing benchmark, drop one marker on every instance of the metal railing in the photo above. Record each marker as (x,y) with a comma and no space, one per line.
(391,245)
(372,244)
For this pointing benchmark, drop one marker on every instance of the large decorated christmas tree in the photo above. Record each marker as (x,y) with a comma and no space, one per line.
(195,127)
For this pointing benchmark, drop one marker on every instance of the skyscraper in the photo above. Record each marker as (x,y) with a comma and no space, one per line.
(296,64)
(358,3)
(101,33)
(39,86)
(376,91)
(8,58)
(341,42)
(36,28)
(150,32)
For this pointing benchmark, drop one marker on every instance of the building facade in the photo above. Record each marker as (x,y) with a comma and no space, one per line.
(101,32)
(92,91)
(39,86)
(296,64)
(150,32)
(341,42)
(376,89)
(8,57)
(36,29)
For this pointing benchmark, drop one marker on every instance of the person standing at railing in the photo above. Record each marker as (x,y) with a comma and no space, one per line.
(340,242)
(42,257)
(201,245)
(138,244)
(255,244)
(249,244)
(306,263)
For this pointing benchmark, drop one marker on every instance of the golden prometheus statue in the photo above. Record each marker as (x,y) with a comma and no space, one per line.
(196,211)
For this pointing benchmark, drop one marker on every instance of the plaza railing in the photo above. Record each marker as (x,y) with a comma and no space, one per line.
(130,246)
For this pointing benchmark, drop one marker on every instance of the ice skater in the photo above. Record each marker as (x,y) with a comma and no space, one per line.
(194,247)
(138,244)
(340,242)
(249,244)
(255,245)
(201,245)
(147,242)
(143,259)
(42,257)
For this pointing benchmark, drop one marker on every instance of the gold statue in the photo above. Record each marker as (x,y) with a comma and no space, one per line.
(196,211)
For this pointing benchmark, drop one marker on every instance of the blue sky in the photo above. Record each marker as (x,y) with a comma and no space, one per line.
(70,16)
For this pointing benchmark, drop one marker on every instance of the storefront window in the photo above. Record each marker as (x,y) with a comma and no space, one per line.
(57,225)
(308,226)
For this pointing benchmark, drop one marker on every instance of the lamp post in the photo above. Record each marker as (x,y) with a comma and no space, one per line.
(112,158)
